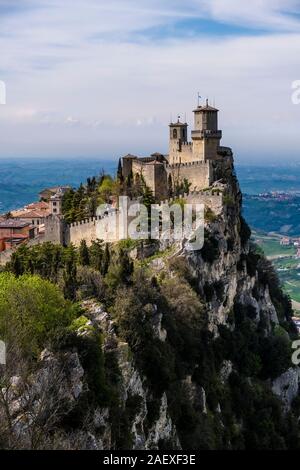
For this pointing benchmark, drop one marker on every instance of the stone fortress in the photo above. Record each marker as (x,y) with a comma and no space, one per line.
(193,161)
(200,162)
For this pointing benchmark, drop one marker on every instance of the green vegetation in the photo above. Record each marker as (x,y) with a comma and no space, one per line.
(82,203)
(32,312)
(164,322)
(285,263)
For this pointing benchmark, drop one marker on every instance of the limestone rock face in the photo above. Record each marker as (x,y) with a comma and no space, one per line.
(286,386)
(219,276)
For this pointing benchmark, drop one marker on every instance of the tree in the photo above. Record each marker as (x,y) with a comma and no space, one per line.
(16,264)
(105,261)
(70,271)
(107,188)
(84,257)
(96,254)
(31,311)
(120,172)
(120,270)
(170,186)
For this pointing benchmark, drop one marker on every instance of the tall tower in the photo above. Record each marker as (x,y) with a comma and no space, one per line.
(206,136)
(56,203)
(178,136)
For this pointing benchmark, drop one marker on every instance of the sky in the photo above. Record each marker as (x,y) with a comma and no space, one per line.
(92,78)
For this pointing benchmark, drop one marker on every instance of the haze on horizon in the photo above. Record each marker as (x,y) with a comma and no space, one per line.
(88,78)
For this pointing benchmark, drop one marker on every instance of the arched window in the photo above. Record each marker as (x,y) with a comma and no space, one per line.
(174,133)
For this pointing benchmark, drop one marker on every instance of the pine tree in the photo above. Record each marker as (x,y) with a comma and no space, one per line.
(84,257)
(148,197)
(16,264)
(70,273)
(126,267)
(96,255)
(120,172)
(105,261)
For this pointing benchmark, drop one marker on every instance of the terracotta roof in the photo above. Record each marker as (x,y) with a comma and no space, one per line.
(42,205)
(34,214)
(13,223)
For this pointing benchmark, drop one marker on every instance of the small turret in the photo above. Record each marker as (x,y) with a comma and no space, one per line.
(178,136)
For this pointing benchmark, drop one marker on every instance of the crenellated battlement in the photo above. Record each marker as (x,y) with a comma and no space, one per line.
(201,163)
(93,220)
(202,196)
(186,144)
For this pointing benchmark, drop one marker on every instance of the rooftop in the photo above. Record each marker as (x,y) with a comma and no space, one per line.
(207,107)
(13,223)
(33,214)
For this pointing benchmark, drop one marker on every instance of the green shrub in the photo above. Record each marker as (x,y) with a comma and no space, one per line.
(32,310)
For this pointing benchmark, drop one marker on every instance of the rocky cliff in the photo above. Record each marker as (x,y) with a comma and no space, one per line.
(192,351)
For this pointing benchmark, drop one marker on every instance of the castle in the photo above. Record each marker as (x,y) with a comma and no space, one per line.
(200,162)
(193,161)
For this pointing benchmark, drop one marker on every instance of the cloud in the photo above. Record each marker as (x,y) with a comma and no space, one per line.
(270,14)
(86,78)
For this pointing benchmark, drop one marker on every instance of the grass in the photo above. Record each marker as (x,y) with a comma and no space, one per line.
(283,258)
(271,246)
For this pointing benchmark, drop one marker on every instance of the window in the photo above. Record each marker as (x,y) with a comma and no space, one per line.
(174,133)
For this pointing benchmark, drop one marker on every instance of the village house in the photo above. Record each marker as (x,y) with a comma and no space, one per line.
(34,213)
(14,232)
(46,194)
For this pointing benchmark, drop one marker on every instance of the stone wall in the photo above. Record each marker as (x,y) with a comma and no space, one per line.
(104,228)
(199,174)
(184,155)
(5,257)
(56,230)
(210,198)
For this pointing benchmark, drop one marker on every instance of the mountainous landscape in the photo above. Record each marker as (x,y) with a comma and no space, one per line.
(149,231)
(171,350)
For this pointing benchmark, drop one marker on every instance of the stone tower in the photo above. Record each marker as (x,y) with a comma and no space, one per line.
(206,136)
(178,137)
(56,203)
(56,229)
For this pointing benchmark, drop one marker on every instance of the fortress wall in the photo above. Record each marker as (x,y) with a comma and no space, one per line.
(199,173)
(186,154)
(198,150)
(154,175)
(101,227)
(161,181)
(83,230)
(55,230)
(127,166)
(211,198)
(211,148)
